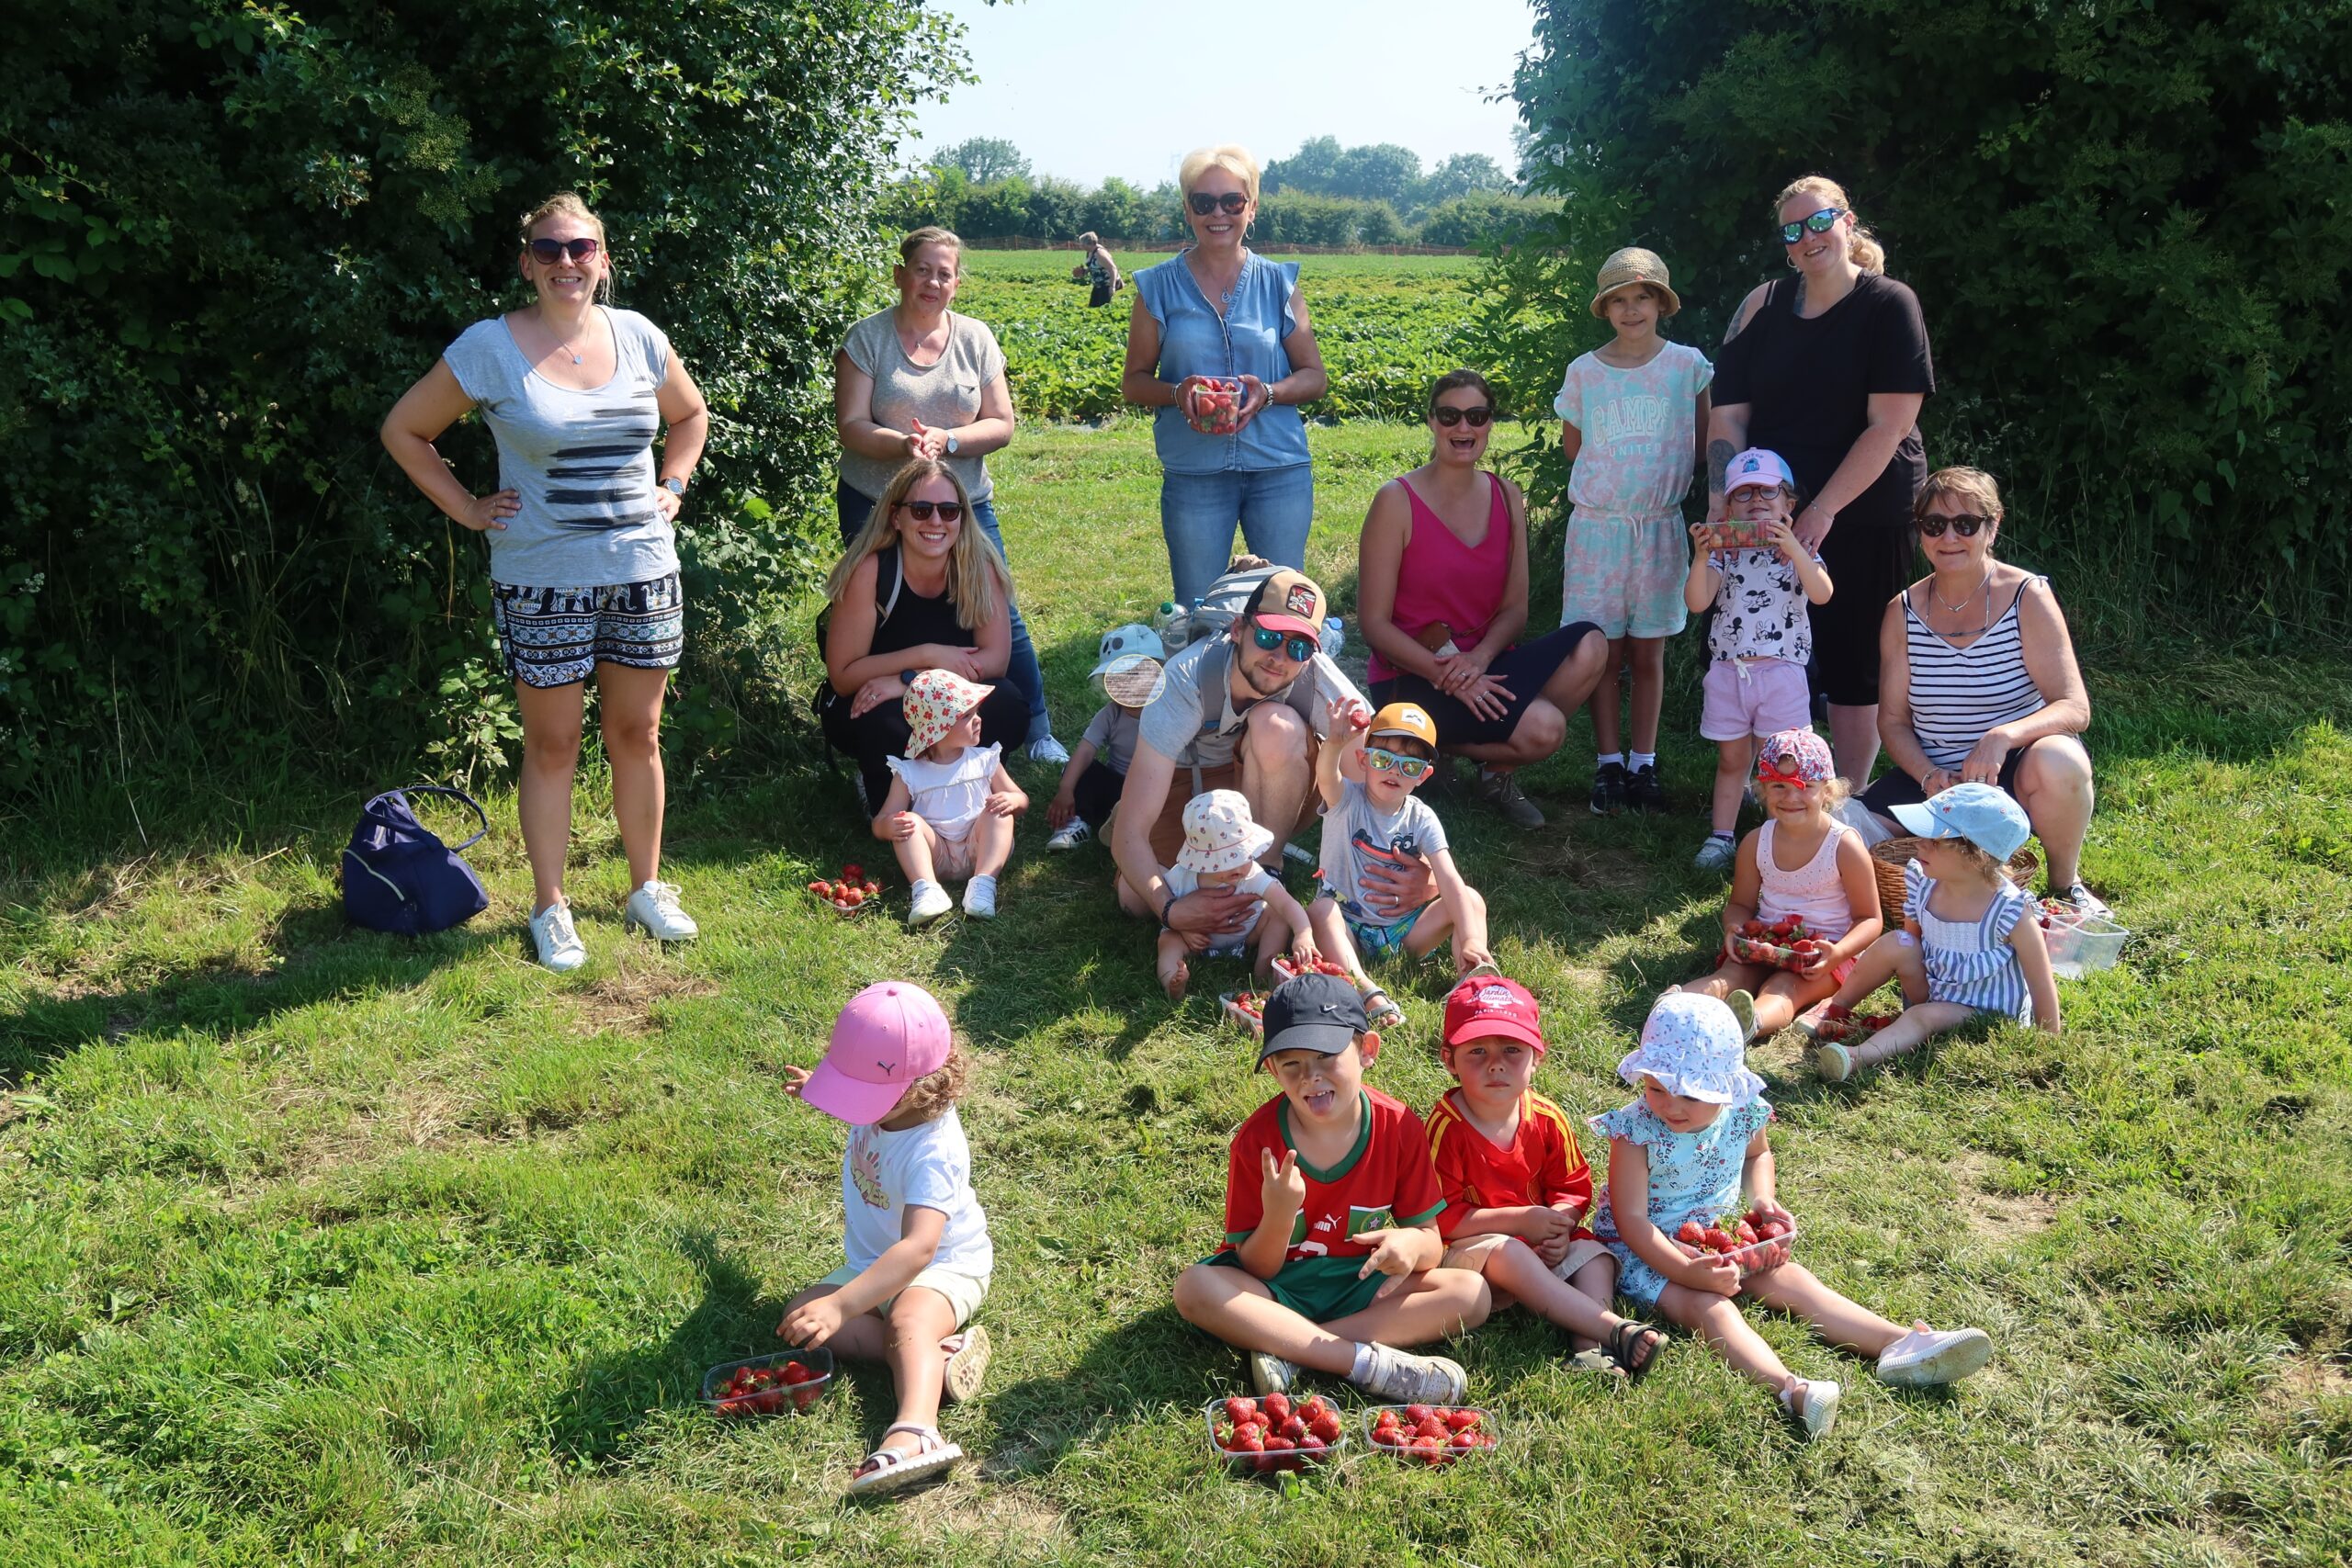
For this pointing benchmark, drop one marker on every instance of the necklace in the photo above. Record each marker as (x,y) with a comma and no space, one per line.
(564,347)
(1962,604)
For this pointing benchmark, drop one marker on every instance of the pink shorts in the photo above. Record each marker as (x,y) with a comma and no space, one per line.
(1754,696)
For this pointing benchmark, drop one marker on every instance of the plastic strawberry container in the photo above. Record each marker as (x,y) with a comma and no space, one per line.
(1755,1257)
(1486,1428)
(1250,1463)
(1229,1003)
(769,1401)
(2084,945)
(1287,968)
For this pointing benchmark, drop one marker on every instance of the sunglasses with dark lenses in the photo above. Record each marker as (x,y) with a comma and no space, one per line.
(1297,649)
(1475,418)
(949,511)
(546,253)
(1966,526)
(1820,223)
(1204,203)
(1381,761)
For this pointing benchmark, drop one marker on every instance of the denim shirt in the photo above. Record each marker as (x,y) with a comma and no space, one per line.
(1247,341)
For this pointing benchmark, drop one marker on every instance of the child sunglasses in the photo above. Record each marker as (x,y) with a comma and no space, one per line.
(1383,762)
(1204,203)
(1299,649)
(546,253)
(949,511)
(1820,223)
(1965,524)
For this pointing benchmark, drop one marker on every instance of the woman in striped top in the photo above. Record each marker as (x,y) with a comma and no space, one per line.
(1981,684)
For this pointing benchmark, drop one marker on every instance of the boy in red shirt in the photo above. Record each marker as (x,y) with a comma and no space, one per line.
(1332,1245)
(1517,1188)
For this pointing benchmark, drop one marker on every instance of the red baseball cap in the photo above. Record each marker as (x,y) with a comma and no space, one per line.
(1489,1007)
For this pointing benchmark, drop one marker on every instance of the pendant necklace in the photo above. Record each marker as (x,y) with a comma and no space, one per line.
(1964,598)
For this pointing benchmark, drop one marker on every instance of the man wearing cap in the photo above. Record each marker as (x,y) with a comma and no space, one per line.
(1241,711)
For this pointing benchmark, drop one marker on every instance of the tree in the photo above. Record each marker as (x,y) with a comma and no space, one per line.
(983,159)
(1384,172)
(1464,174)
(1310,169)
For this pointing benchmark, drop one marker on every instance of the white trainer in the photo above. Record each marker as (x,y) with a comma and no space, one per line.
(979,898)
(1716,854)
(931,902)
(1814,1404)
(1269,1373)
(1927,1358)
(1401,1378)
(1070,835)
(559,943)
(1047,749)
(654,910)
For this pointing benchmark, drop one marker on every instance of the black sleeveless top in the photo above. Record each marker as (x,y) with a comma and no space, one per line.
(913,620)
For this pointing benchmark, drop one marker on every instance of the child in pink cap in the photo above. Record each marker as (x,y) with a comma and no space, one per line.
(951,806)
(918,1242)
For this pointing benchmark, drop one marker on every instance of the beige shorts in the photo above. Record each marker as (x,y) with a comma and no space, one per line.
(1471,1254)
(951,858)
(964,1292)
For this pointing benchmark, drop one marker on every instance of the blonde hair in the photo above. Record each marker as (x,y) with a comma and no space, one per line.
(1230,156)
(567,204)
(1090,238)
(931,235)
(1861,243)
(973,567)
(1973,486)
(929,1096)
(1978,859)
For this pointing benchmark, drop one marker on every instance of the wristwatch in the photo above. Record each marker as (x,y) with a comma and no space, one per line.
(676,487)
(953,444)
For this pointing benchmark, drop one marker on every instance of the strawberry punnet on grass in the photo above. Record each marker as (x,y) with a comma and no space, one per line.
(1432,1434)
(1786,943)
(1273,1434)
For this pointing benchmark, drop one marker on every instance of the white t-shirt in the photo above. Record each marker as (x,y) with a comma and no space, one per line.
(1760,610)
(929,1167)
(949,795)
(1357,835)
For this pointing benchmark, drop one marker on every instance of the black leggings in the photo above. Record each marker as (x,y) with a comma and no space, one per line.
(883,732)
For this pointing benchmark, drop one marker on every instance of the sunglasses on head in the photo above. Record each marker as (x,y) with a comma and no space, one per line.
(1475,418)
(1383,762)
(1204,203)
(1296,648)
(1766,771)
(1820,223)
(546,253)
(949,511)
(1965,524)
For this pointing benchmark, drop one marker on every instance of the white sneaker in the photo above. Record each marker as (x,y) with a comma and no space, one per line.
(1815,1407)
(979,898)
(1045,749)
(559,946)
(1716,854)
(1270,1373)
(1926,1358)
(931,902)
(654,910)
(1070,835)
(1402,1377)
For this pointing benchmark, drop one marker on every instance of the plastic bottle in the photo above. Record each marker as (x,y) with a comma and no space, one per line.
(1172,623)
(1335,635)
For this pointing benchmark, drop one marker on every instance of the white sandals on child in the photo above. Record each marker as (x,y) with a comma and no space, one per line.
(896,1468)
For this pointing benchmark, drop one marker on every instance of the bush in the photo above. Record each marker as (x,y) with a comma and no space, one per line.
(231,234)
(2125,220)
(1482,219)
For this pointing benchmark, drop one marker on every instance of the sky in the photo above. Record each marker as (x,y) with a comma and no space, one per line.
(1090,88)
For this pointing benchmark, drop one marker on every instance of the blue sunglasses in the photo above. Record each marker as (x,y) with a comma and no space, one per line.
(1299,649)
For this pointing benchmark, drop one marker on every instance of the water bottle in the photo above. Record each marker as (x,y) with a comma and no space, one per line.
(1335,633)
(1172,623)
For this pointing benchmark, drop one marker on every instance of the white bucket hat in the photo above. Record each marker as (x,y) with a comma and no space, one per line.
(1219,834)
(1692,1044)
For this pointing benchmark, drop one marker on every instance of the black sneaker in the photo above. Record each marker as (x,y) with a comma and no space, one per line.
(1608,788)
(1643,792)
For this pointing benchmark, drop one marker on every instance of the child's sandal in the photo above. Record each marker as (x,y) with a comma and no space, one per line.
(1599,1364)
(1628,1347)
(895,1468)
(967,1363)
(1381,1011)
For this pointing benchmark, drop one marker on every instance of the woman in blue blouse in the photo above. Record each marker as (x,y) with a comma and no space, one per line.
(1218,310)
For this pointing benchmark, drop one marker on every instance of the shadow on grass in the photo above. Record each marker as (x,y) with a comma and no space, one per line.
(1129,1369)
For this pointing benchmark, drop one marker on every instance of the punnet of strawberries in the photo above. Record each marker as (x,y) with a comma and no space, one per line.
(1432,1434)
(1786,943)
(766,1385)
(1838,1028)
(1291,968)
(1275,1432)
(849,892)
(1756,1241)
(1246,1008)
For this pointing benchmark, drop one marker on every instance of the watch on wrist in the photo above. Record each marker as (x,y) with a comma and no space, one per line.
(953,445)
(676,487)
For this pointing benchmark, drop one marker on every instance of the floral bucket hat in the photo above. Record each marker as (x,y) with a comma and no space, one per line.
(936,700)
(1219,834)
(1692,1045)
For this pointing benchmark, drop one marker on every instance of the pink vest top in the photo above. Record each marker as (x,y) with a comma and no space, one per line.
(1441,578)
(1813,892)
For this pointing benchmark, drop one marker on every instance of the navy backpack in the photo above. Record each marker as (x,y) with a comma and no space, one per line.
(399,876)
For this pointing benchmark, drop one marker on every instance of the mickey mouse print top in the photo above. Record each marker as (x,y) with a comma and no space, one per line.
(1760,611)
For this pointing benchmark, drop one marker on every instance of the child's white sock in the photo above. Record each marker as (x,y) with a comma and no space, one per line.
(1363,1367)
(1636,760)
(1608,757)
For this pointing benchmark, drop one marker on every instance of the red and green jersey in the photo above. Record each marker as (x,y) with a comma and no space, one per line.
(1541,1166)
(1384,1182)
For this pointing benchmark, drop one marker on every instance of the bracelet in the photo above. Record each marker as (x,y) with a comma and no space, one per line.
(1164,908)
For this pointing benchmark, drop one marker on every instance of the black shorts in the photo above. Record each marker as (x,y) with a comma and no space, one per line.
(1523,669)
(1868,564)
(1899,788)
(1096,793)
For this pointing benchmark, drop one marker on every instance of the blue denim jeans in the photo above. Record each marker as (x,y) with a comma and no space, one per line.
(1197,513)
(852,509)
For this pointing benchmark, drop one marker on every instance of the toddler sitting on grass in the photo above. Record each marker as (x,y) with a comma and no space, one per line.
(950,809)
(1221,849)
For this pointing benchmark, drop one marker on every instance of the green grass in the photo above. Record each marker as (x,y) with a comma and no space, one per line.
(322,1247)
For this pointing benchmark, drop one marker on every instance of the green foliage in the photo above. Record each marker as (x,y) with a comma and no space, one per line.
(982,159)
(2126,219)
(232,233)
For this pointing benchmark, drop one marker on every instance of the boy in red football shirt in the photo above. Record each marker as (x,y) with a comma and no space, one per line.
(1331,1246)
(1517,1188)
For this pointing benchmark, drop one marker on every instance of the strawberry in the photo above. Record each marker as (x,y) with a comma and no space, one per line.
(1752,929)
(852,873)
(1276,1407)
(1314,1405)
(1462,1420)
(821,889)
(1465,1439)
(1248,1442)
(1292,1429)
(1325,1427)
(1430,1426)
(1416,1414)
(1692,1231)
(1718,1240)
(798,1371)
(1746,1233)
(1239,1409)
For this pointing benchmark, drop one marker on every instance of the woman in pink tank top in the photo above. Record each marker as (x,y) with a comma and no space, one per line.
(1442,597)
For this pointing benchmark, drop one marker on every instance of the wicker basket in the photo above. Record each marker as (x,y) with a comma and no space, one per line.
(1889,857)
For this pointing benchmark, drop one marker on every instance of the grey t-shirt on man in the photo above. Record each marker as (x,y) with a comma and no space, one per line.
(582,462)
(945,396)
(1202,730)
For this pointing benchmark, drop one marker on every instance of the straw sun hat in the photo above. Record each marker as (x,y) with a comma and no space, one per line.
(1630,265)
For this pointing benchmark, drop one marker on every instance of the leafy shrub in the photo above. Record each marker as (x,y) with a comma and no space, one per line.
(232,233)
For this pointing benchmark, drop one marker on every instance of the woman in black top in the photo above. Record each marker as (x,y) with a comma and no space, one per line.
(918,590)
(1829,370)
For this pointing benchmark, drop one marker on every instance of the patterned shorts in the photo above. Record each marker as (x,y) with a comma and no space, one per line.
(556,637)
(1625,574)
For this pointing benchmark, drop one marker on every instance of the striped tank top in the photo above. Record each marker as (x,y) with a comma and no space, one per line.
(1958,694)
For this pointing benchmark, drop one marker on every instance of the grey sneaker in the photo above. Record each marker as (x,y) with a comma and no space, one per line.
(1402,1377)
(1271,1374)
(1047,749)
(1716,854)
(559,943)
(1926,1358)
(1501,791)
(1070,835)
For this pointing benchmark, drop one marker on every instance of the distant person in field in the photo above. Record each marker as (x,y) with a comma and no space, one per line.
(1829,368)
(583,563)
(1217,311)
(921,380)
(1098,269)
(1442,597)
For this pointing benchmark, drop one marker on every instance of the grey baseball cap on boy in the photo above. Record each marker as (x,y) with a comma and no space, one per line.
(1313,1013)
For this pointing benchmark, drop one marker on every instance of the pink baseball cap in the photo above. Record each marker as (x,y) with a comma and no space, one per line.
(891,1033)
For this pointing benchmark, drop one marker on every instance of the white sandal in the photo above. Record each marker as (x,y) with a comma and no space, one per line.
(895,1468)
(967,1362)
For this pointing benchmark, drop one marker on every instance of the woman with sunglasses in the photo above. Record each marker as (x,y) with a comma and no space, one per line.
(583,562)
(1218,321)
(1981,686)
(1441,594)
(1829,368)
(921,380)
(918,590)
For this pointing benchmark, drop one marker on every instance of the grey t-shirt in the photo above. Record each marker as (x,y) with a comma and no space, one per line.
(944,396)
(1357,835)
(1112,735)
(1180,725)
(582,462)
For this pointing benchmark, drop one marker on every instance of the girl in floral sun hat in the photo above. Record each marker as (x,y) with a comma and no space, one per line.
(950,807)
(1691,1151)
(1222,845)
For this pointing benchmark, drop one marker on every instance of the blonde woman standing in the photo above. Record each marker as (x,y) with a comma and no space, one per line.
(584,560)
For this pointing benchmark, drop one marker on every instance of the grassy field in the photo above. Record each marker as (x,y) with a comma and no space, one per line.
(319,1247)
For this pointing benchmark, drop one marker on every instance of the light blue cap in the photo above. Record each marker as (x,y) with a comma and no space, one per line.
(1979,813)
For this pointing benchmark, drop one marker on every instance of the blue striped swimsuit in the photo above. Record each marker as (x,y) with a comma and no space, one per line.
(1970,962)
